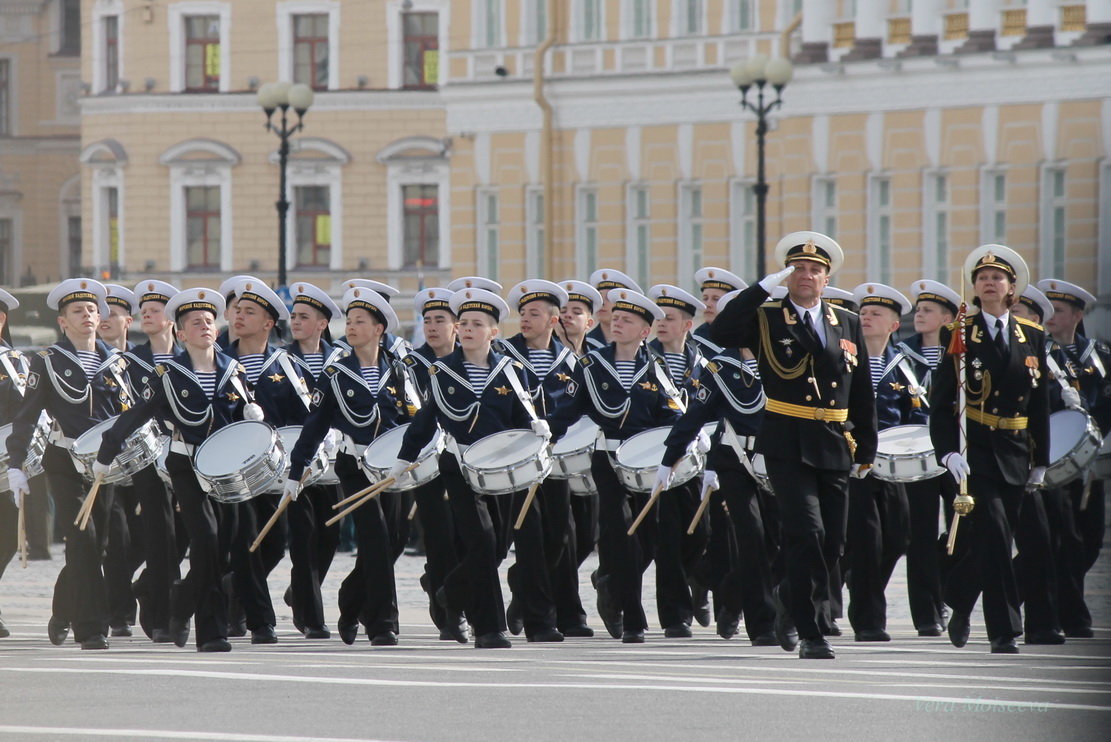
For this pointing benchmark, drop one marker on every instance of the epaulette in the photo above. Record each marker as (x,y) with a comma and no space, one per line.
(712,367)
(45,353)
(585,361)
(847,311)
(160,369)
(408,360)
(433,370)
(330,370)
(517,364)
(771,304)
(1029,323)
(967,321)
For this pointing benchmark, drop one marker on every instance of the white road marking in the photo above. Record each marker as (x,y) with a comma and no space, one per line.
(171,734)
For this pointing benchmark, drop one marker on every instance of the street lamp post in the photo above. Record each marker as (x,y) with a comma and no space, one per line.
(761,71)
(283,95)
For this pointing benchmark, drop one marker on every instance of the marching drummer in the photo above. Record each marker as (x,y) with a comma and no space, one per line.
(13,381)
(361,395)
(603,280)
(395,344)
(312,543)
(474,394)
(1004,380)
(576,317)
(626,390)
(544,581)
(227,290)
(78,381)
(713,284)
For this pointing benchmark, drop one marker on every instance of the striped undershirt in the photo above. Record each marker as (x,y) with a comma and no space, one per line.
(932,354)
(315,363)
(476,375)
(372,376)
(625,372)
(876,366)
(676,366)
(541,360)
(207,382)
(753,366)
(1071,349)
(90,362)
(253,363)
(163,357)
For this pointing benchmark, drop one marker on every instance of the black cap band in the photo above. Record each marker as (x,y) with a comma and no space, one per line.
(77,296)
(671,301)
(480,306)
(1033,305)
(362,304)
(538,296)
(720,285)
(119,301)
(837,301)
(1076,301)
(314,303)
(153,296)
(628,306)
(265,304)
(583,298)
(808,251)
(610,284)
(882,301)
(937,299)
(440,304)
(193,306)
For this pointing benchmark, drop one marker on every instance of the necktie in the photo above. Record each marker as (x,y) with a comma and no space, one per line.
(808,325)
(1000,338)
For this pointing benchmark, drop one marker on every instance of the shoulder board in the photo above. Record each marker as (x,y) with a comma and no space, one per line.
(1029,323)
(45,353)
(712,367)
(160,369)
(771,304)
(517,364)
(433,370)
(330,370)
(843,310)
(967,321)
(586,361)
(408,360)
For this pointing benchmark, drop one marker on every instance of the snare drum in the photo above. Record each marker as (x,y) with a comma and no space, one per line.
(380,456)
(240,461)
(571,453)
(329,477)
(582,485)
(638,457)
(905,453)
(1102,468)
(316,467)
(140,450)
(506,462)
(1074,441)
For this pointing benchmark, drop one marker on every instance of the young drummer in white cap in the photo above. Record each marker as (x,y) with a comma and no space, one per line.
(713,283)
(603,280)
(13,382)
(576,317)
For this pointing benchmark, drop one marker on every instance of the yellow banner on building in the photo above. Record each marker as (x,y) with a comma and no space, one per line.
(431,66)
(323,229)
(212,60)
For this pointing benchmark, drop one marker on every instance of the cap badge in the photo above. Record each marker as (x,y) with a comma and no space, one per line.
(84,284)
(809,248)
(150,287)
(200,294)
(623,295)
(989,257)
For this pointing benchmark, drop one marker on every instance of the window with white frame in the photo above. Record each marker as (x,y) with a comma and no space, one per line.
(993,200)
(418,203)
(638,210)
(200,204)
(535,256)
(110,26)
(1054,224)
(824,200)
(312,218)
(586,220)
(741,15)
(879,228)
(638,18)
(107,32)
(308,42)
(202,53)
(488,23)
(202,227)
(421,68)
(310,50)
(487,236)
(69,28)
(421,222)
(690,232)
(742,226)
(588,20)
(314,230)
(200,60)
(689,17)
(5,97)
(534,22)
(936,224)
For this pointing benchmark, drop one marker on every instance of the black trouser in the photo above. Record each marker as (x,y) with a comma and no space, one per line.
(252,569)
(123,556)
(1035,566)
(878,532)
(9,528)
(746,588)
(1089,513)
(676,553)
(39,518)
(1069,558)
(584,511)
(160,548)
(440,550)
(473,587)
(986,564)
(396,513)
(814,508)
(561,547)
(923,549)
(312,546)
(211,526)
(368,594)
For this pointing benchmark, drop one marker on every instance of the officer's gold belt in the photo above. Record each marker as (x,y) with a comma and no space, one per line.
(807,413)
(994,421)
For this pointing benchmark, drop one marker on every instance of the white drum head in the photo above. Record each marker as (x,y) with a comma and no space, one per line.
(503,449)
(578,436)
(382,453)
(643,450)
(5,431)
(902,440)
(1066,429)
(229,449)
(88,443)
(289,435)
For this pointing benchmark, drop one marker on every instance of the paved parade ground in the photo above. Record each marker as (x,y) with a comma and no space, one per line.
(702,688)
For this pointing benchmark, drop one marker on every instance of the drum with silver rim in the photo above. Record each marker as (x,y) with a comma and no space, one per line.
(380,456)
(582,485)
(905,453)
(760,469)
(1101,469)
(571,453)
(240,461)
(32,464)
(1074,441)
(316,467)
(329,477)
(506,462)
(140,449)
(638,457)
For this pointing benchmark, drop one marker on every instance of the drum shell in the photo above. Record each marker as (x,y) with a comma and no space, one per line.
(32,463)
(571,463)
(140,449)
(1073,463)
(316,467)
(513,476)
(1101,469)
(642,478)
(385,449)
(907,465)
(254,476)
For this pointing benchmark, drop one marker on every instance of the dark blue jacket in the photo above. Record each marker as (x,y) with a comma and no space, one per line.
(273,389)
(10,396)
(547,391)
(327,350)
(1088,370)
(691,379)
(894,402)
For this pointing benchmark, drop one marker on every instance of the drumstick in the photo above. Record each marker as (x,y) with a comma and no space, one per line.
(86,510)
(700,512)
(380,483)
(413,511)
(368,494)
(647,506)
(274,518)
(528,503)
(22,531)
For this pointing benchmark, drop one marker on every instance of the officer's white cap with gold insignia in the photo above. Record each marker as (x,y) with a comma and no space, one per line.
(718,278)
(537,289)
(362,297)
(1057,290)
(7,301)
(1001,257)
(227,288)
(808,245)
(726,298)
(384,289)
(121,296)
(582,292)
(191,300)
(1033,298)
(154,290)
(634,302)
(77,289)
(474,282)
(840,298)
(479,300)
(253,290)
(605,279)
(665,295)
(430,299)
(315,297)
(872,294)
(926,290)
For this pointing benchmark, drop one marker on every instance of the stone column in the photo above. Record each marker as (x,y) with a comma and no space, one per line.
(983,20)
(1041,21)
(925,26)
(869,27)
(816,30)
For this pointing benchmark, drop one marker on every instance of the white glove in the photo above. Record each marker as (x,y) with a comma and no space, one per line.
(1071,398)
(709,483)
(860,471)
(702,442)
(664,475)
(253,412)
(101,470)
(291,489)
(17,483)
(957,466)
(540,427)
(772,280)
(331,442)
(1037,478)
(398,469)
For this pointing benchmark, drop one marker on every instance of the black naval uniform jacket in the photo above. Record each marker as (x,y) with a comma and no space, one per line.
(274,390)
(1088,370)
(466,414)
(328,353)
(595,390)
(894,401)
(595,339)
(795,371)
(691,379)
(56,383)
(547,391)
(418,361)
(912,349)
(176,398)
(10,395)
(701,335)
(1011,386)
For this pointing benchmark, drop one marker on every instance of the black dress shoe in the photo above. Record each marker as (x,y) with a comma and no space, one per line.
(959,629)
(700,599)
(1049,636)
(348,632)
(546,635)
(833,630)
(815,649)
(441,597)
(678,631)
(728,623)
(1004,646)
(934,630)
(96,641)
(765,640)
(287,596)
(872,635)
(161,636)
(57,630)
(317,632)
(784,627)
(454,628)
(264,635)
(514,617)
(607,609)
(632,637)
(237,628)
(124,630)
(1080,632)
(493,640)
(578,631)
(215,645)
(179,631)
(4,633)
(384,639)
